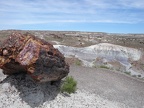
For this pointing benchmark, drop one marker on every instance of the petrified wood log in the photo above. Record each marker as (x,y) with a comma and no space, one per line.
(36,57)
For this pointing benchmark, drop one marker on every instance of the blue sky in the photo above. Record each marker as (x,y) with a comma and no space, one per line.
(113,16)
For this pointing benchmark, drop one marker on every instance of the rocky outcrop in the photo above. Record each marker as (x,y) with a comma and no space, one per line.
(31,55)
(112,56)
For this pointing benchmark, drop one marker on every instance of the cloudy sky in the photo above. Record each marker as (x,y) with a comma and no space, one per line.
(114,16)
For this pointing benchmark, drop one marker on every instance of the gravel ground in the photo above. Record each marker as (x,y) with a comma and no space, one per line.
(97,88)
(110,85)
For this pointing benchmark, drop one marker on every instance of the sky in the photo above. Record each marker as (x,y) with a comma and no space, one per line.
(112,16)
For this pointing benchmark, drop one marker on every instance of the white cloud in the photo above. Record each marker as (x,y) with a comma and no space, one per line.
(137,4)
(69,11)
(117,4)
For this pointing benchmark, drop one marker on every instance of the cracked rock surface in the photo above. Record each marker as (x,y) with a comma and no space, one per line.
(24,53)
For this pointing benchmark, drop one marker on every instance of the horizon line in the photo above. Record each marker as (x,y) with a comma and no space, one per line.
(68,31)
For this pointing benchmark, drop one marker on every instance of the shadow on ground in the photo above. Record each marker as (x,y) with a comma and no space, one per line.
(31,92)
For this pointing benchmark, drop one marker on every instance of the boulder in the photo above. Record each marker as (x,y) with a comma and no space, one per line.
(28,54)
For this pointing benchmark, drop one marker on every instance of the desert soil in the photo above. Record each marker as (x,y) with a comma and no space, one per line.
(110,85)
(97,88)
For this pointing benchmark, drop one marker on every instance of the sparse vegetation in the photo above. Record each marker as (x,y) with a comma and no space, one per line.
(78,63)
(103,66)
(69,85)
(128,73)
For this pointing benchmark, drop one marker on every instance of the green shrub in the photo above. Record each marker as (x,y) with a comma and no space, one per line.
(103,66)
(128,73)
(69,85)
(78,62)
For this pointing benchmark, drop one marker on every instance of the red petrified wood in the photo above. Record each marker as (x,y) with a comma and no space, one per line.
(36,57)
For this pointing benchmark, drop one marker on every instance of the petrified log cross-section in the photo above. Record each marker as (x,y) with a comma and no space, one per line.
(29,54)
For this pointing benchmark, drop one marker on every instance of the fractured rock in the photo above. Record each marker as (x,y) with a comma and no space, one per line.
(36,57)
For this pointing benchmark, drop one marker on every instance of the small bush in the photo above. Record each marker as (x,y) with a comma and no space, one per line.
(128,73)
(69,85)
(102,66)
(78,62)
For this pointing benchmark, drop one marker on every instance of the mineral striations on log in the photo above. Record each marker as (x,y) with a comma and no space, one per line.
(36,57)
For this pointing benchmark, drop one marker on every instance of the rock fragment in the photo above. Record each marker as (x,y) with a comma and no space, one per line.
(36,57)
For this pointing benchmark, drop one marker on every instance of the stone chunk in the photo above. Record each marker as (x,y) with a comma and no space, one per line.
(36,57)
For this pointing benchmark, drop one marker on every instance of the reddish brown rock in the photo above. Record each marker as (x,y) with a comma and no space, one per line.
(38,58)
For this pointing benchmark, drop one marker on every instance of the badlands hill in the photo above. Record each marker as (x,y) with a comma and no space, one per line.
(109,55)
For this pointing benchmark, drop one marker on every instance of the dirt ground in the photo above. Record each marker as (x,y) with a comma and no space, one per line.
(97,88)
(110,85)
